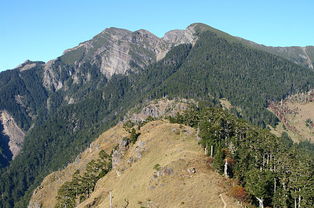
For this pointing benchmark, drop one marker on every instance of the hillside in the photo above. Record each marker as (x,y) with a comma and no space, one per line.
(296,116)
(135,181)
(162,164)
(66,103)
(303,56)
(45,194)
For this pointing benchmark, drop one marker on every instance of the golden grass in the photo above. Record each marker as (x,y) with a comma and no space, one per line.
(303,111)
(172,146)
(46,193)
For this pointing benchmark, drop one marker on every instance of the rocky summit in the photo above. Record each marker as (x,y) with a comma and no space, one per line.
(135,120)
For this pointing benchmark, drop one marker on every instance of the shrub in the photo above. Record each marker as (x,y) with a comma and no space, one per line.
(157,167)
(239,193)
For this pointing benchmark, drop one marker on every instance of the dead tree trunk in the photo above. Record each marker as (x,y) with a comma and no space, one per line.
(261,202)
(299,202)
(226,169)
(110,199)
(206,149)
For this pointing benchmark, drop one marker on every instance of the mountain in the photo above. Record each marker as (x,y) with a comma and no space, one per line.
(63,105)
(35,88)
(303,56)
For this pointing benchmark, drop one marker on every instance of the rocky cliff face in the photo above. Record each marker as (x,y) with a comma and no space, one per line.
(13,132)
(113,51)
(158,108)
(21,96)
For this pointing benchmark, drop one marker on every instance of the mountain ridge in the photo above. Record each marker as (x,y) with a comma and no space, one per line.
(64,104)
(200,26)
(135,169)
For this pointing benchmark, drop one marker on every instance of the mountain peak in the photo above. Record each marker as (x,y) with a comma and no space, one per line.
(28,64)
(115,31)
(144,32)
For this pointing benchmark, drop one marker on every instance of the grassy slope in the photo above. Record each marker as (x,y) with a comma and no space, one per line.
(170,146)
(45,194)
(303,111)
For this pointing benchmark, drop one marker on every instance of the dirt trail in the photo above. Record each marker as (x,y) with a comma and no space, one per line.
(223,201)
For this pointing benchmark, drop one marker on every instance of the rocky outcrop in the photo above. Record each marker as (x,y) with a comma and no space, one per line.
(51,79)
(307,58)
(113,51)
(119,152)
(27,65)
(159,108)
(13,132)
(177,37)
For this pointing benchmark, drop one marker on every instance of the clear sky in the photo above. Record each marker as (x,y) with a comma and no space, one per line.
(43,29)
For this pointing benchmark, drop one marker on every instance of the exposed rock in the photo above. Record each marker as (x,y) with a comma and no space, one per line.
(159,108)
(69,100)
(165,171)
(51,79)
(34,205)
(177,37)
(15,133)
(139,149)
(307,58)
(119,152)
(113,51)
(191,170)
(29,65)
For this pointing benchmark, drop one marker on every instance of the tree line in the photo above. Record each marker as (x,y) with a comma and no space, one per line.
(272,170)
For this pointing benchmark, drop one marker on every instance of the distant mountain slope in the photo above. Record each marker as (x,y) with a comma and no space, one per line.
(69,101)
(303,56)
(23,99)
(223,67)
(296,115)
(35,88)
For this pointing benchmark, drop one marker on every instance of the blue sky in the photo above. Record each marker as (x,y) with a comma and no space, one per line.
(43,29)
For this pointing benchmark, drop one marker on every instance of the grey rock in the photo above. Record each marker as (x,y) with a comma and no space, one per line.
(13,132)
(113,51)
(191,170)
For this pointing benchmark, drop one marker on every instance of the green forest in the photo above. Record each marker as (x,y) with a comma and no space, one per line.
(82,185)
(215,67)
(273,171)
